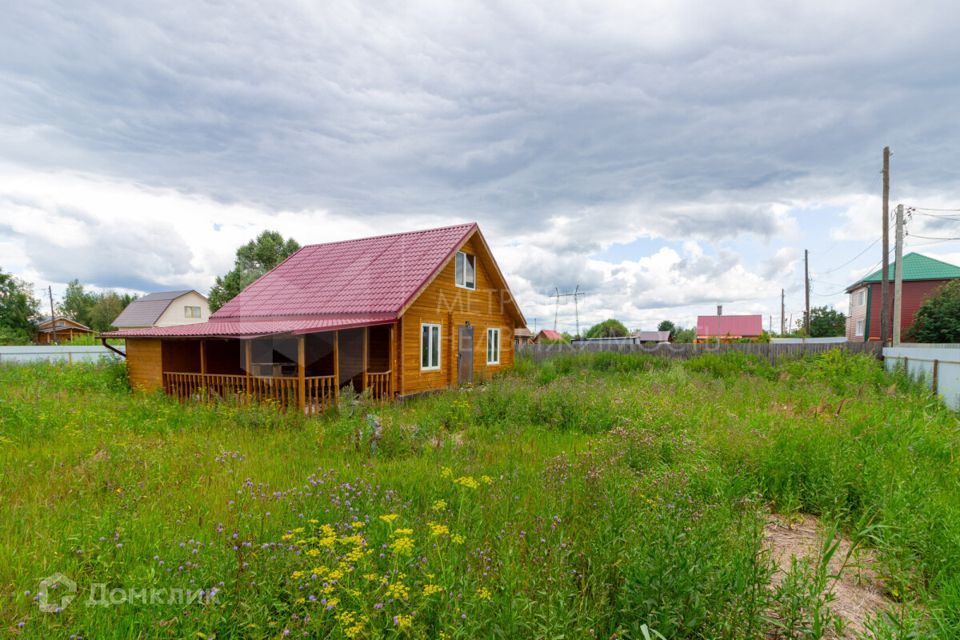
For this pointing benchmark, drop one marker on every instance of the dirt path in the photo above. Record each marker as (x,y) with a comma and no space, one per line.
(857,594)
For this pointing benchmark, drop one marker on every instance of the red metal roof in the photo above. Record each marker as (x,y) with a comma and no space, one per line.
(365,276)
(329,286)
(734,326)
(252,328)
(550,334)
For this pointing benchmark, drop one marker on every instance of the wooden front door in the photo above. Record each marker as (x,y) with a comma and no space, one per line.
(465,355)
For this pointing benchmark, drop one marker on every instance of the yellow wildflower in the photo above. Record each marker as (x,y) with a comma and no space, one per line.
(318,570)
(298,530)
(439,505)
(430,589)
(402,546)
(296,575)
(313,552)
(398,591)
(402,620)
(286,536)
(486,480)
(313,521)
(457,538)
(402,532)
(446,472)
(299,600)
(483,593)
(358,524)
(389,517)
(438,529)
(467,481)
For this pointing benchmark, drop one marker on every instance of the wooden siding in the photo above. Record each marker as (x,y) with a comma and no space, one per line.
(450,306)
(145,363)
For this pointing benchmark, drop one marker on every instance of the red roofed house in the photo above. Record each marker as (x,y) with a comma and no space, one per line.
(729,328)
(547,336)
(397,314)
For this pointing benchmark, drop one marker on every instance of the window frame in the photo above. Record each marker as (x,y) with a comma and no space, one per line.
(430,339)
(858,327)
(188,313)
(862,297)
(458,271)
(494,331)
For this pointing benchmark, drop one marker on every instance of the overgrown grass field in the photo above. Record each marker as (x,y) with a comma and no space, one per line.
(601,496)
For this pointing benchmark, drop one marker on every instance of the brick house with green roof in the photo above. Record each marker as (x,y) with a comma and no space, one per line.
(922,276)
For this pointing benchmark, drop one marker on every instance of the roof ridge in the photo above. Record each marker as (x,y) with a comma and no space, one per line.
(391,235)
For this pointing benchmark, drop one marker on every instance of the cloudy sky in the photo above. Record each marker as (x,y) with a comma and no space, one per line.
(666,156)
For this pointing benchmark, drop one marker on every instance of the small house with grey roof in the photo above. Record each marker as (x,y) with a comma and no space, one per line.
(164,309)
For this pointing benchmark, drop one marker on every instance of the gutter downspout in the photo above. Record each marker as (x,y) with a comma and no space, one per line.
(103,341)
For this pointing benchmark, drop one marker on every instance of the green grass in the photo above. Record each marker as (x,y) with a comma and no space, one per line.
(592,496)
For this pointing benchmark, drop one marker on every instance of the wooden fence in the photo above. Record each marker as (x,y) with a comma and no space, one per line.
(771,352)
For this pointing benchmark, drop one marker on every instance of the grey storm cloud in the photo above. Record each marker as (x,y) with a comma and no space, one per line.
(512,112)
(673,121)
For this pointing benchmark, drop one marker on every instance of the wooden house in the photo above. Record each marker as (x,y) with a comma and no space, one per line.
(164,309)
(392,315)
(922,276)
(60,329)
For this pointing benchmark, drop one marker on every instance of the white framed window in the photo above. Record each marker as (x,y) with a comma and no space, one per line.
(862,297)
(859,329)
(191,312)
(429,347)
(466,270)
(493,346)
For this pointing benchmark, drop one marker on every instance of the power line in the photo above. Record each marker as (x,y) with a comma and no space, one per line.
(837,268)
(933,209)
(913,235)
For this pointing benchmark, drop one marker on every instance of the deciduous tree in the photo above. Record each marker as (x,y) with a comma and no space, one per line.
(253,260)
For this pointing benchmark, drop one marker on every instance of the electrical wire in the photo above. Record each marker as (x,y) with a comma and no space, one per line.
(837,268)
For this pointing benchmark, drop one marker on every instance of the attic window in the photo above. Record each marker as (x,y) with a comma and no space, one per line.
(466,268)
(862,298)
(191,312)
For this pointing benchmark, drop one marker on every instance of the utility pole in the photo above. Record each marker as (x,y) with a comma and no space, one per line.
(770,324)
(783,313)
(885,277)
(576,294)
(53,318)
(556,309)
(576,308)
(806,290)
(898,277)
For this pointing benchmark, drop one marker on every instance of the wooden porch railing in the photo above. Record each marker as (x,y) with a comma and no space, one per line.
(379,384)
(319,391)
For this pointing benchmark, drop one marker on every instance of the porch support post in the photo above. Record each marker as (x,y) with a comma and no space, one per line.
(248,363)
(301,381)
(203,358)
(393,359)
(365,358)
(336,365)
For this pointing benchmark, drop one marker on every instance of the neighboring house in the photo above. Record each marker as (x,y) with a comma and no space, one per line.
(164,309)
(637,337)
(396,315)
(547,336)
(922,276)
(729,328)
(651,336)
(59,329)
(521,336)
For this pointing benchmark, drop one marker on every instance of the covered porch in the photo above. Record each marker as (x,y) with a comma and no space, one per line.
(305,372)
